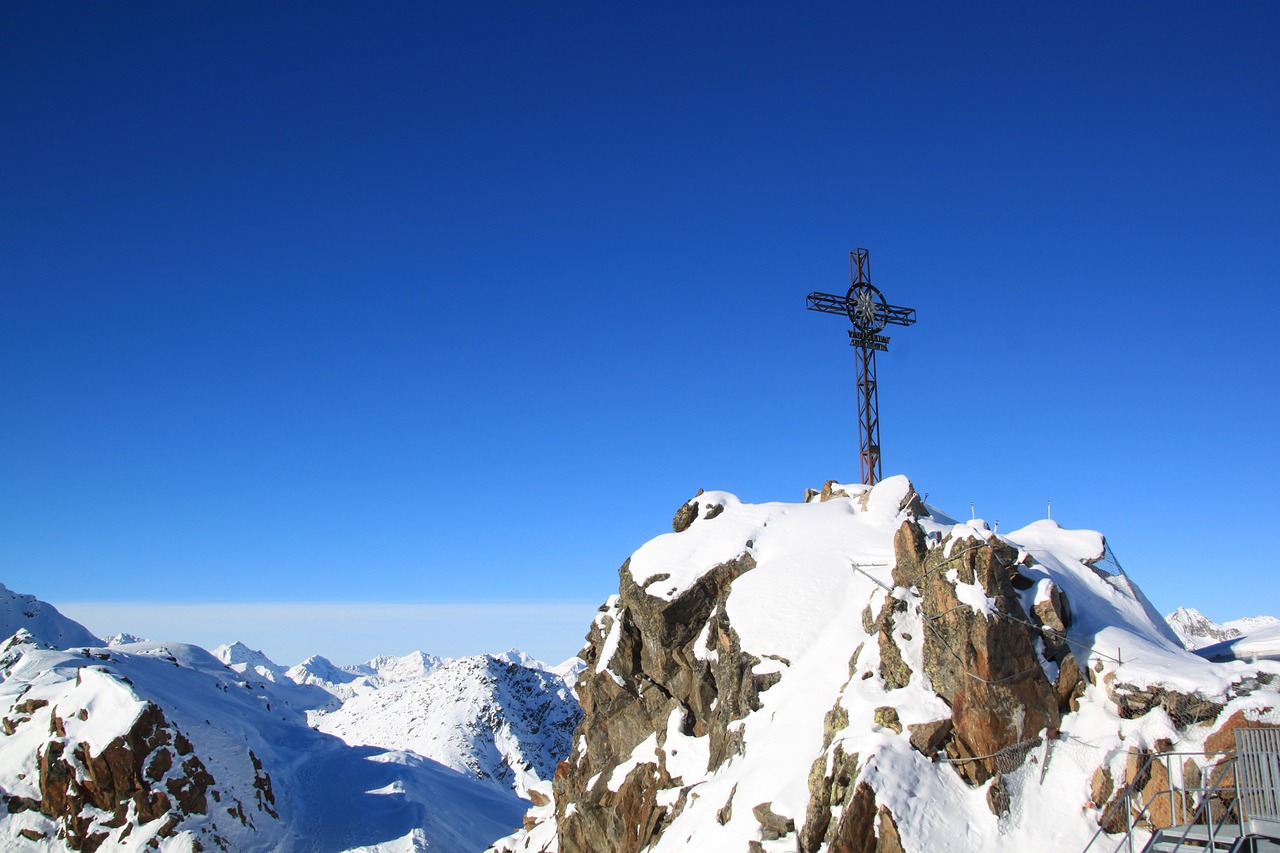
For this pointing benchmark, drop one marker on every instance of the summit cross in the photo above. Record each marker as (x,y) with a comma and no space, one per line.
(866,308)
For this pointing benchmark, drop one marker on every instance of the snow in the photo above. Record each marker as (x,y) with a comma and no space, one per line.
(973,595)
(1262,643)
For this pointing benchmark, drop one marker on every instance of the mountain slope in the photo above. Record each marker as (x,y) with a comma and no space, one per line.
(504,722)
(41,621)
(145,744)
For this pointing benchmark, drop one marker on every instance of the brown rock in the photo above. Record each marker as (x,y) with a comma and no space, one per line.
(856,830)
(725,813)
(1223,738)
(998,797)
(685,516)
(985,667)
(887,716)
(1101,786)
(826,791)
(832,489)
(772,826)
(888,840)
(661,673)
(927,737)
(86,793)
(1070,685)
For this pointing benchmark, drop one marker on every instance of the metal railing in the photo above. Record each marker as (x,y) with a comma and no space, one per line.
(1199,812)
(1259,766)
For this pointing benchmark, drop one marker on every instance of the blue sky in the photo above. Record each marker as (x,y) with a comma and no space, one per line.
(442,304)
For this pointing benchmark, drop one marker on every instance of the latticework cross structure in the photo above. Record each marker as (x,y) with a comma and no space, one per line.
(866,308)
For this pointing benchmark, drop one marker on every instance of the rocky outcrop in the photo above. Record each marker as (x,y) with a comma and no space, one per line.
(148,774)
(649,661)
(980,647)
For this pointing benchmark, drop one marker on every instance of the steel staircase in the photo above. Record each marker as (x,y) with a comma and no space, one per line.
(1236,810)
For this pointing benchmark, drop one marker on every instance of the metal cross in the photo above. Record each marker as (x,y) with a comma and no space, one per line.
(866,308)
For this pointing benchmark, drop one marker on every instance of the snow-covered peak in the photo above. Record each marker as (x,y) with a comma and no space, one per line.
(318,668)
(244,660)
(514,655)
(42,621)
(568,670)
(1196,630)
(238,653)
(391,668)
(1262,643)
(1249,624)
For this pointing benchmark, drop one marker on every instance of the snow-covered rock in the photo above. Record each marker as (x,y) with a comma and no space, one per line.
(861,672)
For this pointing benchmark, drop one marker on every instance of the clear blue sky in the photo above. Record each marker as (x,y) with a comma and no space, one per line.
(455,303)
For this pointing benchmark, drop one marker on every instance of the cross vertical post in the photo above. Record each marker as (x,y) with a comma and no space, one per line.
(868,416)
(866,308)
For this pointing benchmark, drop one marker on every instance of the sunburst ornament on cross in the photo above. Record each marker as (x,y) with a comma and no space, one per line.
(866,308)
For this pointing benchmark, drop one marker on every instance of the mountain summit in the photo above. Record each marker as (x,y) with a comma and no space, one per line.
(861,672)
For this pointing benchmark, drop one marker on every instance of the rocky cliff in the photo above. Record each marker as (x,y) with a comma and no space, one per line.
(862,673)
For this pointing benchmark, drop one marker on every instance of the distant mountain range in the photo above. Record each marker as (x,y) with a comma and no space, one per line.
(127,745)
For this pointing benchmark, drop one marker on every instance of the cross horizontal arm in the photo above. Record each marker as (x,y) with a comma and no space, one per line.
(830,303)
(827,303)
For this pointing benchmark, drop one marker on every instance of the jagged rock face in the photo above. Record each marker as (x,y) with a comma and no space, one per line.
(982,663)
(643,667)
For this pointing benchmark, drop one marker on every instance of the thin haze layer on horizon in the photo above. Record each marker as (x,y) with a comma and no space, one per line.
(437,304)
(348,633)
